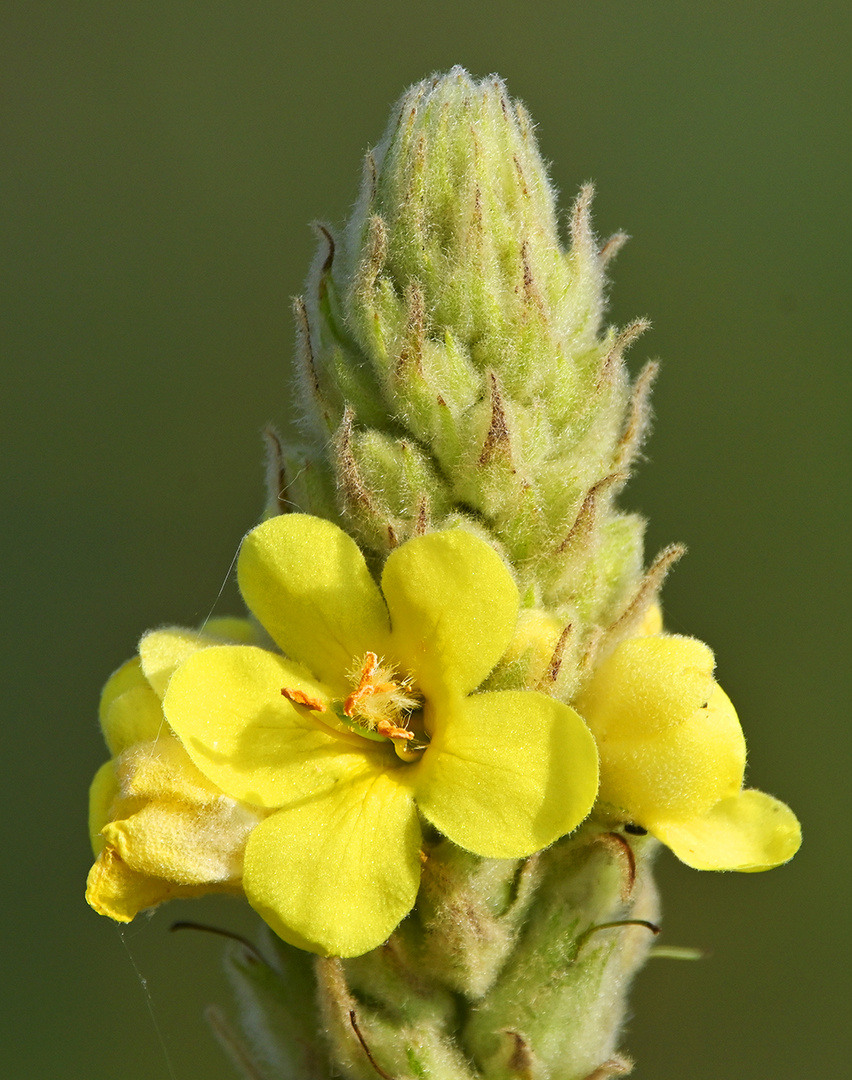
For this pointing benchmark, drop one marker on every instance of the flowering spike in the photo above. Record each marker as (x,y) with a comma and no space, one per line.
(445,751)
(584,521)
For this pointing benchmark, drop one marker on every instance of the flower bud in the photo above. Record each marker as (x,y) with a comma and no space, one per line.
(456,369)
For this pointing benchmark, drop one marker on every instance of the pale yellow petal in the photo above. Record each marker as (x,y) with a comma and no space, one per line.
(336,874)
(652,621)
(308,584)
(225,705)
(102,794)
(162,769)
(187,843)
(453,607)
(133,717)
(121,680)
(162,651)
(114,890)
(748,832)
(229,630)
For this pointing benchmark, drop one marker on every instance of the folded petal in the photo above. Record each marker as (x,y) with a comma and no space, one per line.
(308,584)
(749,832)
(336,874)
(102,794)
(453,607)
(113,889)
(226,707)
(160,769)
(507,773)
(191,844)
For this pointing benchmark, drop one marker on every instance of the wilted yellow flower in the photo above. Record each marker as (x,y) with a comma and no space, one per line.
(159,828)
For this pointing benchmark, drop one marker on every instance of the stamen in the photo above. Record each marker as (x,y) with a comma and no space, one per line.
(299,697)
(391,731)
(381,701)
(365,686)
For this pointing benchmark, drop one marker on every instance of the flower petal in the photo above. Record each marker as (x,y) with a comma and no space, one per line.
(678,772)
(652,621)
(647,684)
(102,794)
(113,889)
(336,874)
(160,769)
(225,705)
(162,651)
(134,715)
(308,584)
(229,630)
(453,607)
(508,773)
(125,678)
(190,844)
(749,832)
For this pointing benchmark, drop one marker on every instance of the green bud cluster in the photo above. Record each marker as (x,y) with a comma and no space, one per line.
(455,370)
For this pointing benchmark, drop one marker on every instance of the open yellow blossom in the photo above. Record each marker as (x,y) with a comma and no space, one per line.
(370,717)
(159,828)
(672,757)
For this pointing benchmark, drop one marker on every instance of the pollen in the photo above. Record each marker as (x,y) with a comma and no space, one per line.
(299,697)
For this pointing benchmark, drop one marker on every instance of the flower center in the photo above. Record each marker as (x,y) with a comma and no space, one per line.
(380,706)
(381,700)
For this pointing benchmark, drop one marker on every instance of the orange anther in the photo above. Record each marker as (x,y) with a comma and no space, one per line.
(364,687)
(392,731)
(299,697)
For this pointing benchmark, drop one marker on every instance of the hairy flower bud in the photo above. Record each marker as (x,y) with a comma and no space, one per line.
(455,360)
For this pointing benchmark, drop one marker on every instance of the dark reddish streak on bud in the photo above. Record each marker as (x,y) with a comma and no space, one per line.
(583,521)
(521,1061)
(619,847)
(553,668)
(497,440)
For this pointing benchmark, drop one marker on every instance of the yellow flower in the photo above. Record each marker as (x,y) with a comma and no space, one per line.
(672,757)
(370,718)
(159,828)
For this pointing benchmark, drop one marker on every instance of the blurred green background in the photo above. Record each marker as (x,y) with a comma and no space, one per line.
(161,163)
